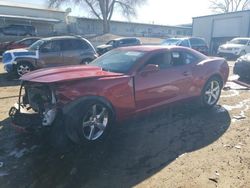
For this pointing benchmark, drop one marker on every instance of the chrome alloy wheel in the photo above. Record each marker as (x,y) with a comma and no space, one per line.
(212,92)
(23,69)
(95,121)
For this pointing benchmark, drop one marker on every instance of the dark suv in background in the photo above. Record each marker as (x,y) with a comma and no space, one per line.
(18,30)
(195,43)
(116,43)
(49,52)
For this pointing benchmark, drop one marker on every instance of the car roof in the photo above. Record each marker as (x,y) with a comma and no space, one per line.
(155,48)
(122,38)
(62,37)
(183,38)
(148,48)
(28,38)
(241,38)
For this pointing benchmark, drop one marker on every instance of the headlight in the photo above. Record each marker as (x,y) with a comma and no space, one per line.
(7,57)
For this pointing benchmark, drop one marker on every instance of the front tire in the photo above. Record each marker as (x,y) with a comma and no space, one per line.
(95,122)
(211,92)
(23,68)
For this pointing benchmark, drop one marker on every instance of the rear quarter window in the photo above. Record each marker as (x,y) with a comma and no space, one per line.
(74,45)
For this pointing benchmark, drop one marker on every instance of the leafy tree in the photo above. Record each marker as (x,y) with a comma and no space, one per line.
(104,9)
(224,6)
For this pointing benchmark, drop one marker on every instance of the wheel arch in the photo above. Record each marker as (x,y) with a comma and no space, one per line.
(218,76)
(26,60)
(68,108)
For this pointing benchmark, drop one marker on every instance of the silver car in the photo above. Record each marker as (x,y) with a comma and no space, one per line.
(49,52)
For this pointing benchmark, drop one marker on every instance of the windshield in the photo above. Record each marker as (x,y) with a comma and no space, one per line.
(170,42)
(120,61)
(238,41)
(36,45)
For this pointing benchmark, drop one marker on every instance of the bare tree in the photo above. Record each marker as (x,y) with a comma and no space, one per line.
(229,5)
(103,9)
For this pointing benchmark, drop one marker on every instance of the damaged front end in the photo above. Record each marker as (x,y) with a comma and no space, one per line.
(36,106)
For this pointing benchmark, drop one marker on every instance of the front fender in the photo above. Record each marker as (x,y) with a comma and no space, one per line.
(68,108)
(26,59)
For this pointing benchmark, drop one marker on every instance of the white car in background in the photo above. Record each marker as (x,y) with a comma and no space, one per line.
(235,48)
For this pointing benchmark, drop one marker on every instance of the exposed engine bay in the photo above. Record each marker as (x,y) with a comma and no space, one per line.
(35,100)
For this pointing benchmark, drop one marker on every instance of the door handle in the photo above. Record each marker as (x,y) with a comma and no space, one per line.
(186,73)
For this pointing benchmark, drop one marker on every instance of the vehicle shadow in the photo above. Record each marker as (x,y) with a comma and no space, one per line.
(8,80)
(134,151)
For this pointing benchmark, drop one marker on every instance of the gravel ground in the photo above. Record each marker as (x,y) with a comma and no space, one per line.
(176,147)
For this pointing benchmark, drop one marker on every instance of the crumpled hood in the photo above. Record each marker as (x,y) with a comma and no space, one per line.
(66,73)
(232,46)
(104,46)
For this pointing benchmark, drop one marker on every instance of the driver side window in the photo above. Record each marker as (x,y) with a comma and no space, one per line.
(182,58)
(51,46)
(161,59)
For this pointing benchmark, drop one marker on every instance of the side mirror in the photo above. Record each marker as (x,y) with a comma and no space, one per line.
(149,69)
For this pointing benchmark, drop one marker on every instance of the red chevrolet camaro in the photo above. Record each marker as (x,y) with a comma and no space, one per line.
(87,100)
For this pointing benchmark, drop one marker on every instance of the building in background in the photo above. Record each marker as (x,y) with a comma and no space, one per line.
(220,28)
(87,26)
(45,21)
(48,22)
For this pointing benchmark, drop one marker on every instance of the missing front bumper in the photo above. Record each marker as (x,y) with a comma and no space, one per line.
(25,121)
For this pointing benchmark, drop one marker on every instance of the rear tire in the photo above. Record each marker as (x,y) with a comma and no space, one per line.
(211,92)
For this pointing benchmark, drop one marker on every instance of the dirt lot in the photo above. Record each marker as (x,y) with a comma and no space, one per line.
(177,147)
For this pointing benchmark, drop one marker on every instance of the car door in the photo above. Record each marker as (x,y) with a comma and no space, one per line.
(170,83)
(70,52)
(50,54)
(183,62)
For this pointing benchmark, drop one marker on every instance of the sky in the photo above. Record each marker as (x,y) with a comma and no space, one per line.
(163,12)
